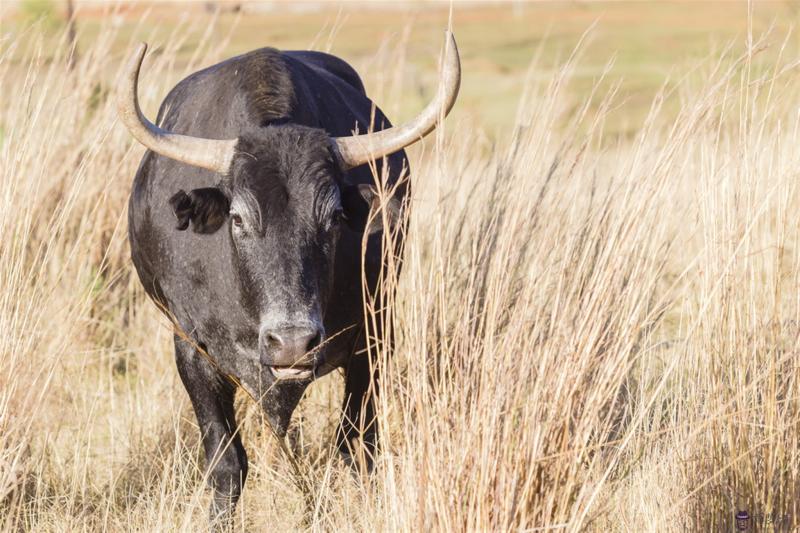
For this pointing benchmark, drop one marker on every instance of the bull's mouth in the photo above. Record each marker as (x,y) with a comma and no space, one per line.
(292,372)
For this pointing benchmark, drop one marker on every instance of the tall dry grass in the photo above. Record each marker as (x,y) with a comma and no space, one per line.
(593,333)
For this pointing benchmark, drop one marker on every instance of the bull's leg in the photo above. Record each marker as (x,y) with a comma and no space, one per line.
(212,399)
(358,418)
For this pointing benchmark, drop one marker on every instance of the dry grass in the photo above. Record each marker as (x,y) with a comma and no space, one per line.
(592,334)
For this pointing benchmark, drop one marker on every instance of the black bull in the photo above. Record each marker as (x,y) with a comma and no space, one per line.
(246,223)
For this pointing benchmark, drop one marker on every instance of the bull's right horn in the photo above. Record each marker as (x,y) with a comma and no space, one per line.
(211,154)
(359,149)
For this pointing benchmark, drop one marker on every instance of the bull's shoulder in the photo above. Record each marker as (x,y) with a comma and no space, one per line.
(331,64)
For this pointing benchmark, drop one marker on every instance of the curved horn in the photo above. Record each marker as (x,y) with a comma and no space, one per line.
(359,149)
(211,154)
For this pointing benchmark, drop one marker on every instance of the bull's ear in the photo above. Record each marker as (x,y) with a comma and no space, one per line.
(359,200)
(206,208)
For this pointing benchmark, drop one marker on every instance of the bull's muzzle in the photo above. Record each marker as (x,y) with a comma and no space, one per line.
(290,352)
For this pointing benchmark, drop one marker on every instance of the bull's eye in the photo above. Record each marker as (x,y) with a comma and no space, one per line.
(236,220)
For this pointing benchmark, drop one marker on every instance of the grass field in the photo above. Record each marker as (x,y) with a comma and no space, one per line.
(647,43)
(598,320)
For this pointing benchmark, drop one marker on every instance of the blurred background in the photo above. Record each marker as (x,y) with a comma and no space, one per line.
(637,46)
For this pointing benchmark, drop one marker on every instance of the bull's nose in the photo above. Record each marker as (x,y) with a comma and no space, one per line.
(289,347)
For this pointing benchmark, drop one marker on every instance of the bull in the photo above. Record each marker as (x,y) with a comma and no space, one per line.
(250,226)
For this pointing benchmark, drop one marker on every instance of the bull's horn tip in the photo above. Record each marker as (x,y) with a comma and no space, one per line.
(451,51)
(141,49)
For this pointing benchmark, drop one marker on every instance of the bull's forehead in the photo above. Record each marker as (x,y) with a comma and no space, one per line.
(285,161)
(286,200)
(289,172)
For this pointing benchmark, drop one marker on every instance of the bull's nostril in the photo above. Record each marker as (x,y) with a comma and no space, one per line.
(273,340)
(314,342)
(291,346)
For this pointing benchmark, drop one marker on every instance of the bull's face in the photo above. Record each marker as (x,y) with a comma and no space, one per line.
(284,205)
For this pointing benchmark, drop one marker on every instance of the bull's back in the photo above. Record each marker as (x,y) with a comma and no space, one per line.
(332,65)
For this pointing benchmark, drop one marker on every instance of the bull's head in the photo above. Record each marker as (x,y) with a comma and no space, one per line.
(281,198)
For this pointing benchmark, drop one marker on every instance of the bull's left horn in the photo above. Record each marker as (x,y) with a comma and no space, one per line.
(211,154)
(359,149)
